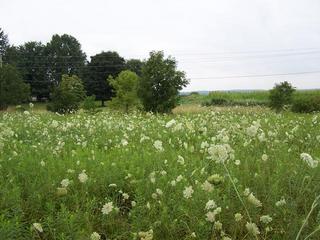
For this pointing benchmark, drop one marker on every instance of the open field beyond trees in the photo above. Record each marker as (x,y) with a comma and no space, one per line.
(238,173)
(240,98)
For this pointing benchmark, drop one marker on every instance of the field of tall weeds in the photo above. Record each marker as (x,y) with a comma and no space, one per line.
(204,175)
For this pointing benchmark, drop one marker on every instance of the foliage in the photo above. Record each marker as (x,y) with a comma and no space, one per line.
(98,69)
(68,95)
(63,56)
(4,42)
(12,88)
(125,86)
(281,95)
(134,65)
(145,164)
(89,104)
(33,67)
(306,104)
(160,83)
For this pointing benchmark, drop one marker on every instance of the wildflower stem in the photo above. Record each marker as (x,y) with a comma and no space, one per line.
(313,206)
(316,230)
(238,194)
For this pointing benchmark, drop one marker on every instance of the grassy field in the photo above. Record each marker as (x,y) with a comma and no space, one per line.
(242,98)
(226,173)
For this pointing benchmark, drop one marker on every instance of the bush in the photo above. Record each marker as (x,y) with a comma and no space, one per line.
(219,101)
(89,104)
(67,97)
(281,95)
(306,104)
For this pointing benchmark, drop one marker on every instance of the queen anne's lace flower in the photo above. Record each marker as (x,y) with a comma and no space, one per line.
(107,208)
(95,236)
(38,227)
(252,228)
(187,192)
(265,219)
(83,177)
(252,199)
(158,145)
(309,160)
(210,205)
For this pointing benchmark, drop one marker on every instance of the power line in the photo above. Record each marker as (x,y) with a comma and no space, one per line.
(189,60)
(243,76)
(258,75)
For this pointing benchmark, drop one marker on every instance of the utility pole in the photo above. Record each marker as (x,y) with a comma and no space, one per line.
(0,61)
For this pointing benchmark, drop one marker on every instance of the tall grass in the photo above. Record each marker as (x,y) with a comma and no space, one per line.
(179,176)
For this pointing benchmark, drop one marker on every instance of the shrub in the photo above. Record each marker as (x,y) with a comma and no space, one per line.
(89,104)
(219,101)
(306,104)
(67,97)
(281,95)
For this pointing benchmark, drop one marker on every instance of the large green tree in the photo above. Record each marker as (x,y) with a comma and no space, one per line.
(33,67)
(12,88)
(63,56)
(97,71)
(134,65)
(160,83)
(125,86)
(4,42)
(11,56)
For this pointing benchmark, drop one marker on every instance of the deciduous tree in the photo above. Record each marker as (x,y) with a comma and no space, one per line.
(125,86)
(12,88)
(97,71)
(160,83)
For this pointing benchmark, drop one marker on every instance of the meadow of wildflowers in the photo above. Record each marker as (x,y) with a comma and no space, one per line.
(224,174)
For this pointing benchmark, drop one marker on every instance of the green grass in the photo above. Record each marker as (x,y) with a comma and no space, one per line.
(240,98)
(118,154)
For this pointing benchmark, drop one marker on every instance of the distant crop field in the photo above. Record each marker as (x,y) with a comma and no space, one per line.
(227,173)
(240,98)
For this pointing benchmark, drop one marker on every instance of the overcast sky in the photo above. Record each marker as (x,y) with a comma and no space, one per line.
(213,41)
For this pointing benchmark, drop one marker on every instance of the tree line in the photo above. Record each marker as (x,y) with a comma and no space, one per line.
(155,82)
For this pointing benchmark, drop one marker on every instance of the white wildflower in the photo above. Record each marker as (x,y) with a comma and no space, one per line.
(252,199)
(158,145)
(238,217)
(107,208)
(187,192)
(218,225)
(65,183)
(206,186)
(264,157)
(309,160)
(265,219)
(252,130)
(38,227)
(210,205)
(281,202)
(180,160)
(210,216)
(95,236)
(170,123)
(252,229)
(83,177)
(146,235)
